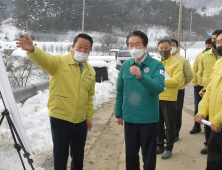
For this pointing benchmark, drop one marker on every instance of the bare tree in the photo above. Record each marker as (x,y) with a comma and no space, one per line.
(188,39)
(22,71)
(109,40)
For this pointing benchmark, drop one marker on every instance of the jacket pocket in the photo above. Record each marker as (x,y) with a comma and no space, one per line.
(88,82)
(59,103)
(127,80)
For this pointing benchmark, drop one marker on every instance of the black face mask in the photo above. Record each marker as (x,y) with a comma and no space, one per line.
(219,50)
(165,53)
(214,45)
(207,49)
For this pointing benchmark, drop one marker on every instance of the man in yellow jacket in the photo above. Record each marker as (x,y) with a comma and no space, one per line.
(198,85)
(71,91)
(207,61)
(168,99)
(211,105)
(186,78)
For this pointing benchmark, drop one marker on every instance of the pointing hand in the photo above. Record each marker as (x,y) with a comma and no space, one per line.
(25,43)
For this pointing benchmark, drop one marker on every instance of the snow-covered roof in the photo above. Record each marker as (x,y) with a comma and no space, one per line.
(100,64)
(114,50)
(103,58)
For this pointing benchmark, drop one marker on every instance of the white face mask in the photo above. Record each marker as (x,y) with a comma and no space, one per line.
(173,50)
(80,57)
(136,53)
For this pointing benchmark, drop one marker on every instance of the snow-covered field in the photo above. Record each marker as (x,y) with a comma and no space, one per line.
(34,111)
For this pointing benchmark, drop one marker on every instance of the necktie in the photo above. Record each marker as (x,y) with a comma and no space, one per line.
(80,67)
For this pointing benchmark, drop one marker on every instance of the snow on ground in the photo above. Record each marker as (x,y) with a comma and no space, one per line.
(7,33)
(34,111)
(98,63)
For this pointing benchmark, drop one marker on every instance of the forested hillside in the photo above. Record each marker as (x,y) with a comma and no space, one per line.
(111,16)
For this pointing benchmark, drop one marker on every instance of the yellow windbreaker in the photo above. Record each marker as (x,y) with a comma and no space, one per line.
(174,69)
(196,66)
(207,61)
(211,102)
(187,71)
(70,93)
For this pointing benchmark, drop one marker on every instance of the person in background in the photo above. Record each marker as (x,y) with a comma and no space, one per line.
(207,61)
(211,106)
(186,78)
(140,81)
(168,99)
(71,91)
(197,83)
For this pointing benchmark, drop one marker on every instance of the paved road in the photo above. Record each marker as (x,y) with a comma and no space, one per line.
(105,147)
(186,152)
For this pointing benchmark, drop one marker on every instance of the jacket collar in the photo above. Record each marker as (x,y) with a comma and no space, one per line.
(211,52)
(176,55)
(70,59)
(167,60)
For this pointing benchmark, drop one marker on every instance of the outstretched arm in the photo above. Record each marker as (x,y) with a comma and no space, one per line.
(43,60)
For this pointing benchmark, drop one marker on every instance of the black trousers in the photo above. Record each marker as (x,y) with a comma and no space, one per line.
(144,136)
(64,135)
(207,131)
(214,159)
(197,99)
(180,101)
(167,116)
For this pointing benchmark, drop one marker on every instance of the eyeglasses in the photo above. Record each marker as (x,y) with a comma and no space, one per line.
(218,42)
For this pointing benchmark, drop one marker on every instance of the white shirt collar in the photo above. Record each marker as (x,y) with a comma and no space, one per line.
(141,60)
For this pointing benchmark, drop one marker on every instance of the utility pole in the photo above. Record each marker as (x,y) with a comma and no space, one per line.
(179,24)
(26,26)
(83,15)
(191,18)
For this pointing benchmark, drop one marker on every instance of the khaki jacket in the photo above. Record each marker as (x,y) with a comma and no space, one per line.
(70,93)
(187,71)
(196,66)
(207,61)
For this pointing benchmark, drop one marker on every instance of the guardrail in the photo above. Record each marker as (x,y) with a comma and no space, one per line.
(24,93)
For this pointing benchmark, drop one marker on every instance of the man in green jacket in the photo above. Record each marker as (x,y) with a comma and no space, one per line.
(140,81)
(70,104)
